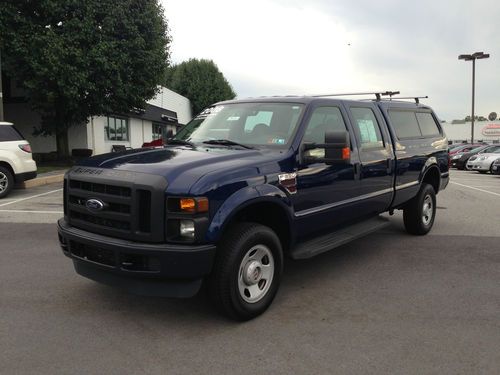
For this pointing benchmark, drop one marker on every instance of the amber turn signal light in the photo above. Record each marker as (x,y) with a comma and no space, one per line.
(193,204)
(346,153)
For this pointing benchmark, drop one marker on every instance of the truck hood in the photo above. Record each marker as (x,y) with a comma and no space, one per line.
(182,166)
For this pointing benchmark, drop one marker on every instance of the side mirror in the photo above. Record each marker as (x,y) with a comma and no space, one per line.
(337,149)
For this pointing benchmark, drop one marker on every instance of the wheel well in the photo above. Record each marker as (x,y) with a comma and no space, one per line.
(271,215)
(7,165)
(432,177)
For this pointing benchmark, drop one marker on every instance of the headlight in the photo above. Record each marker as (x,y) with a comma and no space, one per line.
(186,229)
(458,156)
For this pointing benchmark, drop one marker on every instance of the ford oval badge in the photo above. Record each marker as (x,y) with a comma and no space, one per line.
(94,204)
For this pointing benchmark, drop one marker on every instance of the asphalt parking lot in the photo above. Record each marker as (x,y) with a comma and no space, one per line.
(387,303)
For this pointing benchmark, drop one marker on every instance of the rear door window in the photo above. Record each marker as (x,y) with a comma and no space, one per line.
(9,133)
(428,125)
(367,127)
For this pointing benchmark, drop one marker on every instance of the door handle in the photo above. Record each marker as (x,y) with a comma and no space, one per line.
(357,170)
(389,166)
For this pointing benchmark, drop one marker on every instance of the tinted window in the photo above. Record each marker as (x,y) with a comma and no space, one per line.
(367,127)
(427,124)
(405,124)
(9,133)
(323,119)
(492,150)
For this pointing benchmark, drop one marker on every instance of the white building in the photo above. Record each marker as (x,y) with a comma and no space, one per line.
(485,131)
(164,113)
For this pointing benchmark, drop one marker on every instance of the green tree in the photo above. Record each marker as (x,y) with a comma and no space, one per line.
(201,81)
(78,59)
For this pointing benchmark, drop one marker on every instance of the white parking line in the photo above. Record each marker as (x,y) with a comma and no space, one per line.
(33,196)
(475,188)
(33,212)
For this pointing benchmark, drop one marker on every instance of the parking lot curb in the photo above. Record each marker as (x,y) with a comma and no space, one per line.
(43,179)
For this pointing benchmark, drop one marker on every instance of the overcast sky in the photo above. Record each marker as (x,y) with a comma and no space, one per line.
(290,47)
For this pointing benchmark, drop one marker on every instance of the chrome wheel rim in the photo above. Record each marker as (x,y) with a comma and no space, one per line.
(3,182)
(256,273)
(427,210)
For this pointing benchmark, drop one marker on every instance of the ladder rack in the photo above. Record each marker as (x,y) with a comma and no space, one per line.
(378,95)
(416,98)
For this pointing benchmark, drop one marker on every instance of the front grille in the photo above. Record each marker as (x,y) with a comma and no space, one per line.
(131,205)
(100,188)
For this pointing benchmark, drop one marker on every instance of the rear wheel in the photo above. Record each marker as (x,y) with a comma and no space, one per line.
(419,213)
(6,182)
(247,271)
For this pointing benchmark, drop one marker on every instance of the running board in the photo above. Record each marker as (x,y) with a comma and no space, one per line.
(332,240)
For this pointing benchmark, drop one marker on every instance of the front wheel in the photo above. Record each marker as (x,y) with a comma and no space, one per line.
(247,271)
(419,213)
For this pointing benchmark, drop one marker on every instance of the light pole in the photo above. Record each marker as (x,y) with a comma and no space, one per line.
(473,57)
(1,93)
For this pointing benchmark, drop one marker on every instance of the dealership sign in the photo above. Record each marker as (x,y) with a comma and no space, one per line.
(491,130)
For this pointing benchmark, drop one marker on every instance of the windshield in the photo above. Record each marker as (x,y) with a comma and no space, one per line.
(270,124)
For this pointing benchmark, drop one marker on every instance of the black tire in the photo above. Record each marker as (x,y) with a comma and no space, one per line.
(227,275)
(417,215)
(6,182)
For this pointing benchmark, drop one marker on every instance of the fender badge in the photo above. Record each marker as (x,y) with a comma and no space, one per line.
(288,181)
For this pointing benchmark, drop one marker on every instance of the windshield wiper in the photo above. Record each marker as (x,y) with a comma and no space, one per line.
(180,142)
(226,142)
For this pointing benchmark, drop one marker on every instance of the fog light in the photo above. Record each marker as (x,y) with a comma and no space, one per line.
(187,229)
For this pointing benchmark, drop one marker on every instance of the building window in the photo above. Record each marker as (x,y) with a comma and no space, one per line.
(157,131)
(116,129)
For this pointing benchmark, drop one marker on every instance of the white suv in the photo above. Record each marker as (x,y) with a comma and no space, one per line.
(16,163)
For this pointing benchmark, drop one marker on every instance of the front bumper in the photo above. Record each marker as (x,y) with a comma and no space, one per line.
(479,165)
(457,163)
(21,177)
(141,268)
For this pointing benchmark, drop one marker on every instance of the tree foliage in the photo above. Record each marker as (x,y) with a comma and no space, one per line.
(78,59)
(201,81)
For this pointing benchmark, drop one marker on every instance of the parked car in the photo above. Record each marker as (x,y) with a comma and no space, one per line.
(246,183)
(460,159)
(495,168)
(464,148)
(482,162)
(16,162)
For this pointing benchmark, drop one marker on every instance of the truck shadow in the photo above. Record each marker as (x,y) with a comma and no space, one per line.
(302,275)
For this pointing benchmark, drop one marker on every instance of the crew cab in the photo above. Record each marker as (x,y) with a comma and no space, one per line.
(245,184)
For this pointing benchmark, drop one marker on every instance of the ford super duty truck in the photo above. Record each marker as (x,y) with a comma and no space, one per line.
(245,184)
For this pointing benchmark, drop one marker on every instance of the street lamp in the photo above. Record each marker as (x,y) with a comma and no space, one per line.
(473,57)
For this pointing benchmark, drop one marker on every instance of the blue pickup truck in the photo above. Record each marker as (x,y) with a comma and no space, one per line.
(245,184)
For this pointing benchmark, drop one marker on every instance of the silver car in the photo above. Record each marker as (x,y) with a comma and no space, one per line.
(482,162)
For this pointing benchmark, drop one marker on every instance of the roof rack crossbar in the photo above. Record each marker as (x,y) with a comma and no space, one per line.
(416,98)
(378,95)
